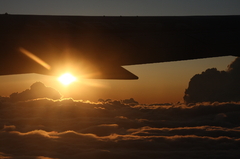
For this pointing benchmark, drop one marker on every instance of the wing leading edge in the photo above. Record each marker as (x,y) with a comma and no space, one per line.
(97,47)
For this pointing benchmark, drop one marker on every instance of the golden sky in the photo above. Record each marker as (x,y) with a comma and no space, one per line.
(160,82)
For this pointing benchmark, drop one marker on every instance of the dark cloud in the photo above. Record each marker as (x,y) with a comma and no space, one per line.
(213,85)
(37,90)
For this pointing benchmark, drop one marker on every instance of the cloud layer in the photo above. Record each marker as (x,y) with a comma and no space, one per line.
(45,128)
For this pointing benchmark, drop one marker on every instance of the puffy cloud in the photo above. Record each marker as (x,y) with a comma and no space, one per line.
(129,101)
(213,85)
(67,128)
(234,68)
(4,99)
(37,90)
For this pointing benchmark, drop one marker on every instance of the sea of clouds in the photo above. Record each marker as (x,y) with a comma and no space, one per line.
(61,129)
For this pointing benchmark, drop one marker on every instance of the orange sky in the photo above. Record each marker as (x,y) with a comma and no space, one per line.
(160,82)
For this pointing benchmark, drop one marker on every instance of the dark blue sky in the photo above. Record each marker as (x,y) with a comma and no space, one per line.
(121,7)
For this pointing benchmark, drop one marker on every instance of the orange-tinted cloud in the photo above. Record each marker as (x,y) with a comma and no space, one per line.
(68,128)
(37,90)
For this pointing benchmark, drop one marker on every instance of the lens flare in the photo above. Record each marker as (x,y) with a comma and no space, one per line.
(35,58)
(67,79)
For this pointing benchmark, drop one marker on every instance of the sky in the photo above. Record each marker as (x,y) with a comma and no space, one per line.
(160,82)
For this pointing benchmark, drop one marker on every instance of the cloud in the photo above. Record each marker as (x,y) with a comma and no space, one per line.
(72,144)
(213,85)
(129,101)
(67,128)
(37,90)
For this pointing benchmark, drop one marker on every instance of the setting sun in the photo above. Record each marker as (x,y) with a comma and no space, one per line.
(67,78)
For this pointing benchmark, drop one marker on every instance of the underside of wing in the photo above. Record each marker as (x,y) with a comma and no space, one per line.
(97,47)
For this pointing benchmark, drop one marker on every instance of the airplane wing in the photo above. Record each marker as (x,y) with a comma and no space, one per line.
(98,47)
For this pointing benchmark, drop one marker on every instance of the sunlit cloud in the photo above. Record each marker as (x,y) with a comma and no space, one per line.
(37,90)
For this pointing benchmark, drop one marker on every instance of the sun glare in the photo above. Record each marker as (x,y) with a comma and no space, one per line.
(67,79)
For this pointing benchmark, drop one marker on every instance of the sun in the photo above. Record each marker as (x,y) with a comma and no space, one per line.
(67,79)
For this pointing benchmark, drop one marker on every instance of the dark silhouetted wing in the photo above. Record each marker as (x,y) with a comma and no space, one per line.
(97,47)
